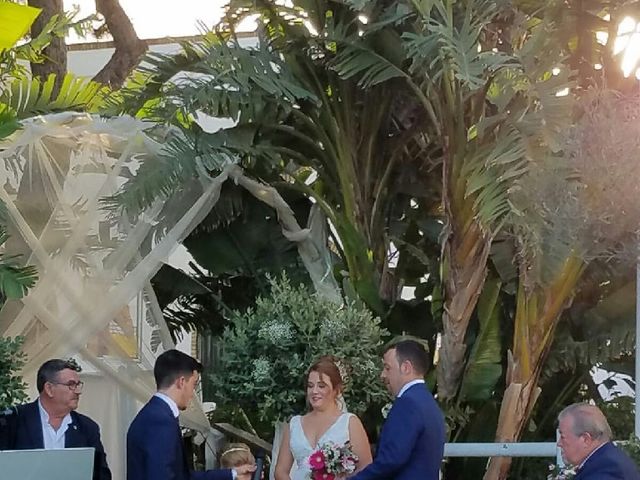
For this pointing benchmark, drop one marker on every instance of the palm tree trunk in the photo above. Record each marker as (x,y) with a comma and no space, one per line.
(537,313)
(465,255)
(55,55)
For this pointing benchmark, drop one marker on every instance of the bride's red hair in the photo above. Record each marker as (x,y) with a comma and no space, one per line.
(326,365)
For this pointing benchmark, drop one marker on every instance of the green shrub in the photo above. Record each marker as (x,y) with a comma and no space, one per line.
(12,359)
(267,350)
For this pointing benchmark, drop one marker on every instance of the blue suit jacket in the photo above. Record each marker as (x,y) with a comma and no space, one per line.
(608,463)
(21,429)
(154,447)
(411,444)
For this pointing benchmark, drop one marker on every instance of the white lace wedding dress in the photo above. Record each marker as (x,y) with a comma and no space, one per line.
(301,449)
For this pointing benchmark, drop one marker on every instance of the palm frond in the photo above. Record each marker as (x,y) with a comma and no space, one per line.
(183,158)
(15,280)
(225,79)
(491,171)
(356,58)
(28,97)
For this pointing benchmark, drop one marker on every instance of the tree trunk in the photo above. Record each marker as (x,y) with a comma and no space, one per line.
(464,267)
(465,255)
(537,314)
(55,55)
(129,48)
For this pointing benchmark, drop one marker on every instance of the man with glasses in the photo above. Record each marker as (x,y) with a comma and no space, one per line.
(51,421)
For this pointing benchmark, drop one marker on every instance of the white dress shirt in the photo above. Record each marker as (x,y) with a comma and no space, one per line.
(169,401)
(53,438)
(408,385)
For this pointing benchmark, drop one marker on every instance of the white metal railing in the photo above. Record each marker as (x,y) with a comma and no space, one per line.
(531,449)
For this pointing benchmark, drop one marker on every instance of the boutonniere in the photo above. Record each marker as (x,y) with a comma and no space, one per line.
(385,410)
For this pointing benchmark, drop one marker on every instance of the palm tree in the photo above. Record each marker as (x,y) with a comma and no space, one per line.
(346,147)
(492,107)
(589,212)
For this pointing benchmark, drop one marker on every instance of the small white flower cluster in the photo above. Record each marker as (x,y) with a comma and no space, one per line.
(276,331)
(332,329)
(261,369)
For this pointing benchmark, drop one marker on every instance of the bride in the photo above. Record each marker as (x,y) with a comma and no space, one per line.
(326,421)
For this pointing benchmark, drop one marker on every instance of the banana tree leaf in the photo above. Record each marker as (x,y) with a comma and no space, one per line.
(484,366)
(250,243)
(15,21)
(171,283)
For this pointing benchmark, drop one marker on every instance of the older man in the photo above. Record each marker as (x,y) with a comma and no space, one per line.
(51,421)
(585,440)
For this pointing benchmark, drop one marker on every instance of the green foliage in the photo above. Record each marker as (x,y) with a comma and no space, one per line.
(620,413)
(484,366)
(27,97)
(12,388)
(12,60)
(632,448)
(15,279)
(268,349)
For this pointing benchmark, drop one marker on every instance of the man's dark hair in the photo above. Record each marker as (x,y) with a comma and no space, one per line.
(172,365)
(48,371)
(413,352)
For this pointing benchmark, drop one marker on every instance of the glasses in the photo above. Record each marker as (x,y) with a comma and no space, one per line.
(73,386)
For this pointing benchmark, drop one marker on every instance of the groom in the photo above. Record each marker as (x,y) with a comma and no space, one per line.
(411,444)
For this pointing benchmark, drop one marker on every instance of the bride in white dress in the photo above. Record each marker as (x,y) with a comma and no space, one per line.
(325,422)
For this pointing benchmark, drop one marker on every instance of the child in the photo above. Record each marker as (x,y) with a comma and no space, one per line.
(236,454)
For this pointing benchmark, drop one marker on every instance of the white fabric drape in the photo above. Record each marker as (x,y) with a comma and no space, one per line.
(93,298)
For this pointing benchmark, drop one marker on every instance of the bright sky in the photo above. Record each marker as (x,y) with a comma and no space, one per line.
(171,18)
(160,18)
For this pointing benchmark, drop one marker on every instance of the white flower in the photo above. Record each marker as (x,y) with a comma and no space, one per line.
(261,369)
(276,332)
(332,329)
(386,409)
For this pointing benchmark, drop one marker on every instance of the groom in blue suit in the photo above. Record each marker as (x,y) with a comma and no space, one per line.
(411,444)
(585,440)
(154,441)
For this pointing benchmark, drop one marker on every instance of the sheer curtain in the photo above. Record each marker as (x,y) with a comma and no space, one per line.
(93,298)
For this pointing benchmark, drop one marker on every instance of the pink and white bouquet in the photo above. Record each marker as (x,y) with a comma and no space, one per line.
(331,461)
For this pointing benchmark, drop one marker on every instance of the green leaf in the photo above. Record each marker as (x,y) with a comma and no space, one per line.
(484,366)
(8,122)
(15,21)
(28,97)
(15,280)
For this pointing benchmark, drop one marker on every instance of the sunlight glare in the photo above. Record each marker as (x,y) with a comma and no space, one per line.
(312,30)
(562,93)
(363,19)
(631,55)
(555,71)
(627,25)
(602,37)
(638,74)
(249,24)
(620,44)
